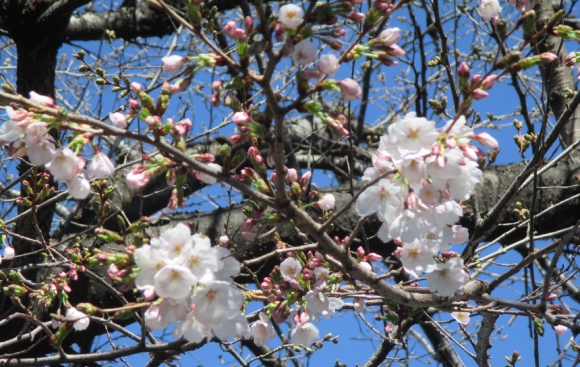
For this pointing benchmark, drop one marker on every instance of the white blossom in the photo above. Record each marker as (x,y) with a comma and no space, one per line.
(489,9)
(262,330)
(79,187)
(461,317)
(63,165)
(41,152)
(447,278)
(9,253)
(208,179)
(290,268)
(328,64)
(304,53)
(173,63)
(80,319)
(290,15)
(416,256)
(414,133)
(304,334)
(101,166)
(174,281)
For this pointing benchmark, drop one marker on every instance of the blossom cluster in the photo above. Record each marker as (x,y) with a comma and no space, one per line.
(422,172)
(27,135)
(193,281)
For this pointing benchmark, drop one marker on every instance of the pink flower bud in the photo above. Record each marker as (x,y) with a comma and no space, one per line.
(152,120)
(217,85)
(136,87)
(463,71)
(487,140)
(250,236)
(469,152)
(328,64)
(479,94)
(548,57)
(138,177)
(291,176)
(396,51)
(239,34)
(374,257)
(248,24)
(241,118)
(294,283)
(450,142)
(236,139)
(356,17)
(182,127)
(305,180)
(412,199)
(180,86)
(488,81)
(134,104)
(389,328)
(214,100)
(230,28)
(390,36)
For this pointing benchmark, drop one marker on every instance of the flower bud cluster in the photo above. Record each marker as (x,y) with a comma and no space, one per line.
(193,281)
(421,173)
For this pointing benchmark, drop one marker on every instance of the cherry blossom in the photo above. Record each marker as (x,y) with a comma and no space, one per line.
(139,177)
(414,133)
(328,64)
(208,179)
(349,89)
(290,268)
(560,329)
(489,10)
(174,281)
(304,53)
(42,151)
(382,198)
(304,334)
(39,98)
(416,256)
(327,202)
(173,63)
(262,330)
(118,119)
(101,166)
(215,302)
(80,319)
(190,329)
(447,278)
(63,165)
(79,187)
(9,253)
(461,317)
(290,15)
